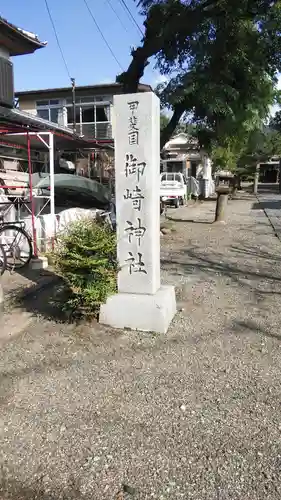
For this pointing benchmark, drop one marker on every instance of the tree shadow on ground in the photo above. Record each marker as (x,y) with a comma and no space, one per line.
(267,205)
(191,261)
(268,188)
(195,221)
(14,490)
(247,196)
(35,293)
(239,325)
(10,378)
(248,250)
(22,282)
(50,363)
(46,301)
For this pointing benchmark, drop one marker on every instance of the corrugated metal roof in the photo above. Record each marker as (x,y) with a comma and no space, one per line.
(24,118)
(19,121)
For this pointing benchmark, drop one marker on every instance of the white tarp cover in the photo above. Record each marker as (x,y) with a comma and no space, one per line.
(45,226)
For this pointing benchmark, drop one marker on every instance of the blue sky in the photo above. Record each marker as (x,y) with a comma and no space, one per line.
(87,56)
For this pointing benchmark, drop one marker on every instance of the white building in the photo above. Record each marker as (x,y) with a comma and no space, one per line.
(183,154)
(92,115)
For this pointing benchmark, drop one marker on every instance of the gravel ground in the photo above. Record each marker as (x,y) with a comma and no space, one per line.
(91,413)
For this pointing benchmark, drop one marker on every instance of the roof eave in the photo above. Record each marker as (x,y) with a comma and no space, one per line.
(81,87)
(30,41)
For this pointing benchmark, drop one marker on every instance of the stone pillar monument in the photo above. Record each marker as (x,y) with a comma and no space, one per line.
(141,302)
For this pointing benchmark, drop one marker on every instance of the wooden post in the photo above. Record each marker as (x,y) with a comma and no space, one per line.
(256,179)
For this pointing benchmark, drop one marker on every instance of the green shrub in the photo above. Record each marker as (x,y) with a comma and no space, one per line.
(85,257)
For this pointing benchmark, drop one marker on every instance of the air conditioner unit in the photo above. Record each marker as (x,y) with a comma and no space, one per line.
(6,83)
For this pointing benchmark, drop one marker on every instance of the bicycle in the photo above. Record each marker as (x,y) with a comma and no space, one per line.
(16,244)
(3,260)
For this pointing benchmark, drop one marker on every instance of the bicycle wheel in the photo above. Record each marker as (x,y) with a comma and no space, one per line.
(17,246)
(3,260)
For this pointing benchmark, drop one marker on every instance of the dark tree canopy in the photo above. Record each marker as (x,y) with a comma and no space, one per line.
(221,57)
(275,122)
(242,153)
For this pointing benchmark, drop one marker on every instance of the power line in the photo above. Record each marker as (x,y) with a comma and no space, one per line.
(131,16)
(123,3)
(57,38)
(117,15)
(102,35)
(122,24)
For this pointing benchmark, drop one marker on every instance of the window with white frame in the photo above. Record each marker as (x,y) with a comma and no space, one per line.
(51,110)
(92,116)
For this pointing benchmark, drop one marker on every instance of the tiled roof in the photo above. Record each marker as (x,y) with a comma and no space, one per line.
(28,36)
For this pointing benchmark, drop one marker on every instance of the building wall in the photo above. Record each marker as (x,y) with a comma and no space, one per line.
(29,106)
(58,107)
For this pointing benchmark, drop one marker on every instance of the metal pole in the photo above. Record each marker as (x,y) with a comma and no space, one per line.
(52,180)
(73,103)
(35,252)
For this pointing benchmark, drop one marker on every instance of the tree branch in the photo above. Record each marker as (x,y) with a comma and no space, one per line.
(130,79)
(172,125)
(154,39)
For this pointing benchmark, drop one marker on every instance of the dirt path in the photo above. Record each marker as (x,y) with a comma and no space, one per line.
(194,414)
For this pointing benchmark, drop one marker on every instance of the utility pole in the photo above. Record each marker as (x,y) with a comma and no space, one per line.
(73,103)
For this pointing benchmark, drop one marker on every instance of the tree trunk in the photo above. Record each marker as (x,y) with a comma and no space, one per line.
(280,175)
(256,179)
(234,186)
(168,131)
(239,187)
(222,200)
(130,79)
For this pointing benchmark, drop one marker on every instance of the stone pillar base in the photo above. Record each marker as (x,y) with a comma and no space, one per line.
(149,313)
(38,263)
